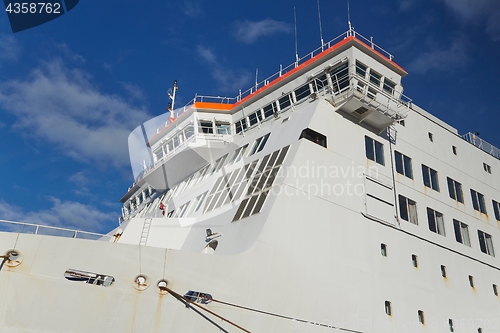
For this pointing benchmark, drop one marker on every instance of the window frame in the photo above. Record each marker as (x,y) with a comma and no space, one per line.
(484,245)
(453,190)
(403,164)
(407,204)
(374,150)
(461,231)
(430,178)
(436,225)
(478,201)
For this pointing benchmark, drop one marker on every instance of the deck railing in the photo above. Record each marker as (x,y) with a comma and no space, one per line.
(482,144)
(40,229)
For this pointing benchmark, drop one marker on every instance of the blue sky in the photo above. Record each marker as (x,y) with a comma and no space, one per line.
(71,90)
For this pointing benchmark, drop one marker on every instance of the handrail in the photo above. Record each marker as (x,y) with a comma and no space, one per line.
(482,144)
(37,229)
(350,33)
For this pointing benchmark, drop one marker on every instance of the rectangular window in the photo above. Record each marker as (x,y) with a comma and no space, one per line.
(302,92)
(361,69)
(478,201)
(238,153)
(486,243)
(375,77)
(461,232)
(455,190)
(430,177)
(252,118)
(389,86)
(269,110)
(436,221)
(259,144)
(408,209)
(313,136)
(487,168)
(206,127)
(403,164)
(496,208)
(374,150)
(285,102)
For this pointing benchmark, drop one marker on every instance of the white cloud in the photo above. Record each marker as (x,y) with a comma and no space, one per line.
(134,90)
(66,214)
(9,48)
(192,8)
(484,12)
(454,56)
(248,31)
(227,80)
(60,105)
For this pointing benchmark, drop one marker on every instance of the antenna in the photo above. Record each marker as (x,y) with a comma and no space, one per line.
(349,19)
(296,47)
(171,94)
(320,30)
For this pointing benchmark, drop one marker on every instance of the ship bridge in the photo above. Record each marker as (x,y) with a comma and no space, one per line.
(356,76)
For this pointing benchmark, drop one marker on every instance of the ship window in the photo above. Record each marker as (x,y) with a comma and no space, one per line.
(430,177)
(238,153)
(403,164)
(431,137)
(182,210)
(388,309)
(361,69)
(252,118)
(285,102)
(340,77)
(375,77)
(238,127)
(461,232)
(443,270)
(374,150)
(269,110)
(313,136)
(389,86)
(478,201)
(383,249)
(408,209)
(206,127)
(436,221)
(421,317)
(414,260)
(302,92)
(169,214)
(486,243)
(496,209)
(223,127)
(198,202)
(487,168)
(402,123)
(259,144)
(471,281)
(371,93)
(450,323)
(495,289)
(455,190)
(454,150)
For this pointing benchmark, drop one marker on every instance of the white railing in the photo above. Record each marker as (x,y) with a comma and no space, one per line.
(40,229)
(482,144)
(283,70)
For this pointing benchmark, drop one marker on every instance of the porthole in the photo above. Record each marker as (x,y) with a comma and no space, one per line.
(162,286)
(141,282)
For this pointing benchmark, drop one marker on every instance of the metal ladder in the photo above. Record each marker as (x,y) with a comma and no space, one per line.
(145,231)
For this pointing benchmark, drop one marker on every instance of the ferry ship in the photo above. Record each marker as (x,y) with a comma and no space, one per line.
(321,200)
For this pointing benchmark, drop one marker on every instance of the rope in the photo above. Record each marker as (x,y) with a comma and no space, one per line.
(283,317)
(188,303)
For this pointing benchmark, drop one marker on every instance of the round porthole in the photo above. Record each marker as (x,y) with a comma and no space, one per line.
(161,286)
(14,258)
(141,282)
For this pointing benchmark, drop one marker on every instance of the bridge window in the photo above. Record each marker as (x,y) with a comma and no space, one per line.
(389,86)
(375,77)
(361,69)
(313,136)
(223,127)
(206,127)
(302,92)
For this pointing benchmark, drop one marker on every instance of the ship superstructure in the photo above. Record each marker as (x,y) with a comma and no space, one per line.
(321,199)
